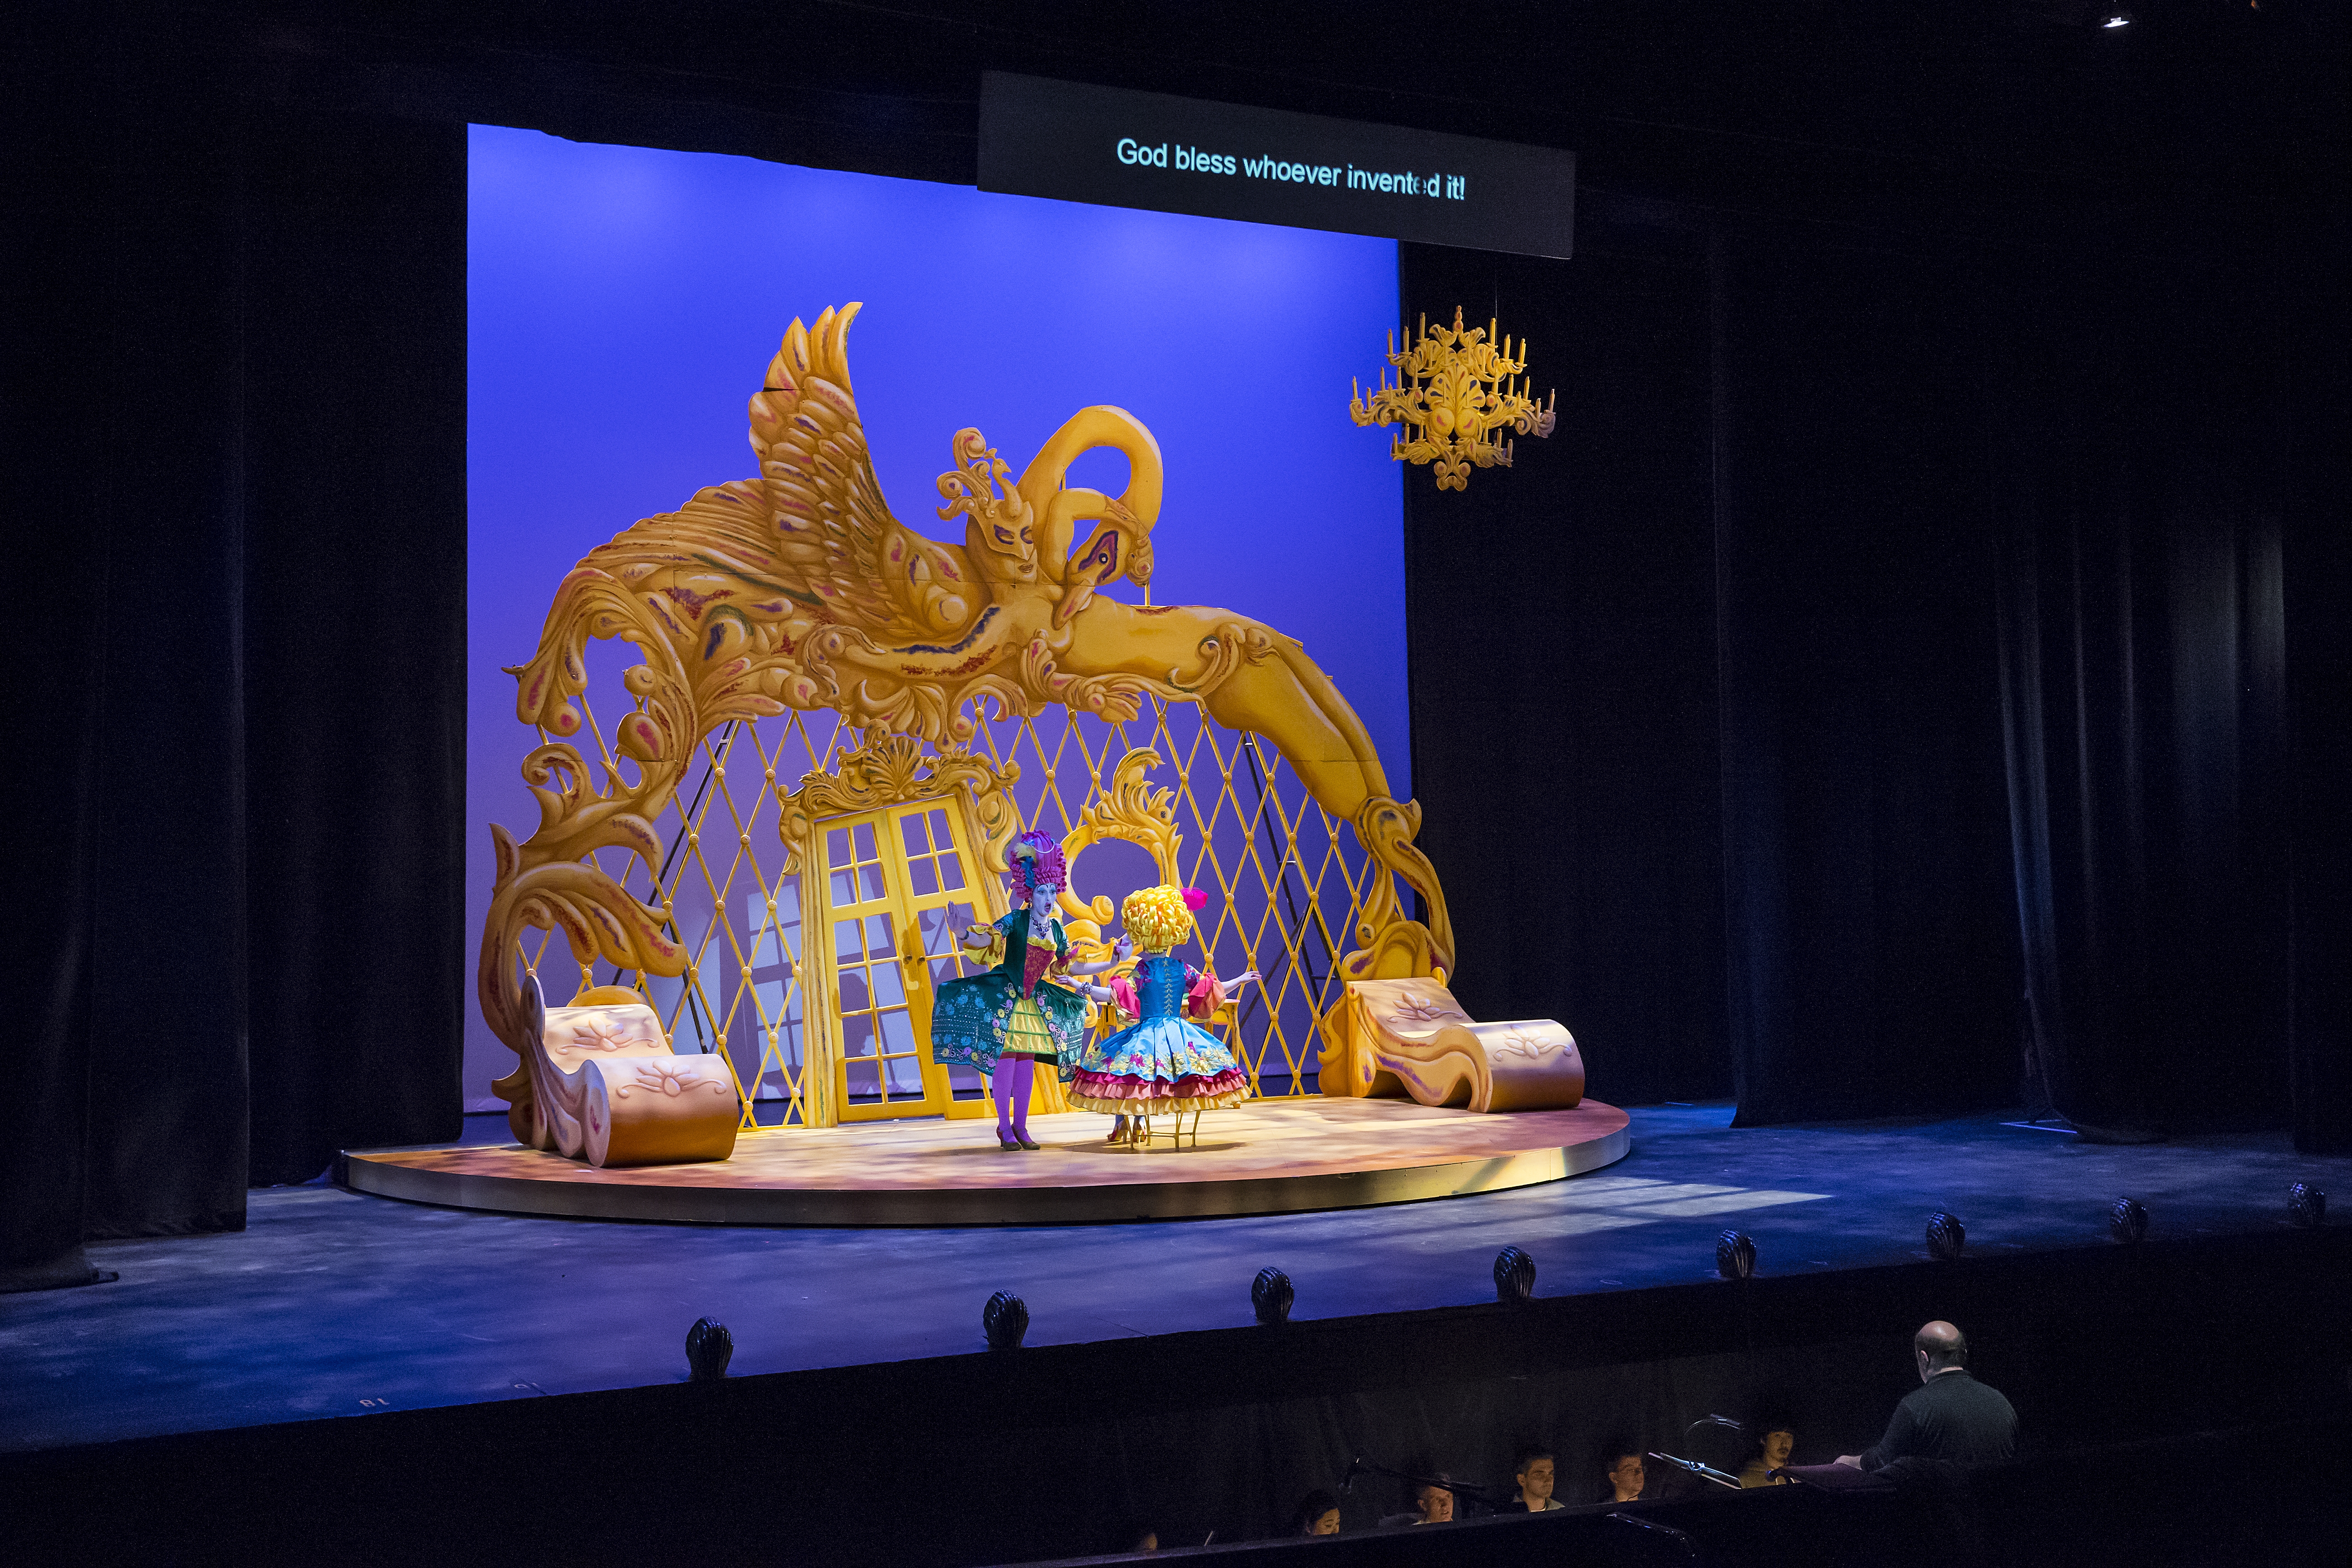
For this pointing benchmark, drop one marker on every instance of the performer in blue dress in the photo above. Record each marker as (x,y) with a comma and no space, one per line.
(1018,1014)
(1161,1063)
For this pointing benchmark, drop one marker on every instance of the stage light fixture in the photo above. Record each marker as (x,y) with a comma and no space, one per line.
(1735,1255)
(1270,1297)
(2127,1221)
(1004,1320)
(1514,1275)
(2114,19)
(1946,1236)
(2306,1205)
(708,1348)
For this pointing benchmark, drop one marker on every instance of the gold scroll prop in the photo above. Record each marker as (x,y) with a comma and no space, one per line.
(606,1087)
(1410,1038)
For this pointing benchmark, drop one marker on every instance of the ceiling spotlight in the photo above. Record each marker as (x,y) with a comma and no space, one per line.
(2114,19)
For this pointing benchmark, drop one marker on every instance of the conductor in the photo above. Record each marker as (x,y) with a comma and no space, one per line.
(1950,1416)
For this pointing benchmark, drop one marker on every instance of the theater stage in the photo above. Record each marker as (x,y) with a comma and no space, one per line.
(340,1303)
(1274,1157)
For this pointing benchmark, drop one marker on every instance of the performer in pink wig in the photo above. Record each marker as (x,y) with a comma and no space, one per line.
(1021,1013)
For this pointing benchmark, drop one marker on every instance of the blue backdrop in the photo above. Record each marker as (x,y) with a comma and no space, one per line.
(624,302)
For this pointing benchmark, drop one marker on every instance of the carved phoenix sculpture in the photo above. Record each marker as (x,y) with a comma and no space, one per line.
(798,589)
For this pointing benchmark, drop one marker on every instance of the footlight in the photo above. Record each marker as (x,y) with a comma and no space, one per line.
(2127,1221)
(1270,1297)
(1946,1236)
(2306,1205)
(1004,1320)
(708,1348)
(1514,1275)
(1735,1255)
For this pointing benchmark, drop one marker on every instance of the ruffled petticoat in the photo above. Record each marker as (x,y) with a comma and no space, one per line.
(1133,1097)
(1158,1066)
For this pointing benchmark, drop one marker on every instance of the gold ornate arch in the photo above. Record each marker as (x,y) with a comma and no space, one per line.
(797,590)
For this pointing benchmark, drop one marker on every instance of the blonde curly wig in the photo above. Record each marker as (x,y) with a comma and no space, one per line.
(1156,919)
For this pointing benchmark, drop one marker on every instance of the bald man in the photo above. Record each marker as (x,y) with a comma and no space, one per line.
(1950,1416)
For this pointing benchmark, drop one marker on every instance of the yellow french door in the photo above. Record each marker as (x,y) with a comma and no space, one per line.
(900,895)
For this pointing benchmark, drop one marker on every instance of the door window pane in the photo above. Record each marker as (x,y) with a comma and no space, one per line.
(858,1034)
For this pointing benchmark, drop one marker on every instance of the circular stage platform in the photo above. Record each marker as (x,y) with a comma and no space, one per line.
(1272,1156)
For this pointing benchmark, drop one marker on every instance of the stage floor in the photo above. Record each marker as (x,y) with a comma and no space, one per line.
(337,1303)
(1273,1156)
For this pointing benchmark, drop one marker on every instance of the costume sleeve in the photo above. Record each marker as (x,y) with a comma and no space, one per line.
(1122,996)
(1902,1438)
(999,932)
(1201,999)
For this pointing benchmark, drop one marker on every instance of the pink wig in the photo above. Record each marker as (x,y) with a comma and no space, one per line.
(1035,860)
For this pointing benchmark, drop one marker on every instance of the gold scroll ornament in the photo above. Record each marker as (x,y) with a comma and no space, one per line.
(797,588)
(1410,1038)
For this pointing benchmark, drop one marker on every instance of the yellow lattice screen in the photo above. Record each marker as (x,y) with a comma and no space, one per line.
(1287,883)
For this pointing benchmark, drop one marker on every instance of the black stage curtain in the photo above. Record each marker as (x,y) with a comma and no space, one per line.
(2145,475)
(2317,580)
(1969,740)
(1561,617)
(235,410)
(355,634)
(1871,950)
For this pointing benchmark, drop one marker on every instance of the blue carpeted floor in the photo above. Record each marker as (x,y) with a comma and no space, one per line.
(333,1303)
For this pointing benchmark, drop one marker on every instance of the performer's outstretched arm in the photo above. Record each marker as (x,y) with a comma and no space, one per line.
(1120,954)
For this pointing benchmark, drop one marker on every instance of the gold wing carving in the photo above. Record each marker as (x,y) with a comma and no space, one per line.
(833,531)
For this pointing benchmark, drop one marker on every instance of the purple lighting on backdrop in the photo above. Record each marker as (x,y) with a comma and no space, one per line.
(623,303)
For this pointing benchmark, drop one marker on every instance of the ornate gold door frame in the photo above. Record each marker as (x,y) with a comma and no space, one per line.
(846,835)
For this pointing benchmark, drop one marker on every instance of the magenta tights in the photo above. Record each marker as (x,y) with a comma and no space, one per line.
(1010,1083)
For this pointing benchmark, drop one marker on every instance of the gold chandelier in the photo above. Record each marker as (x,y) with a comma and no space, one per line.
(1456,392)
